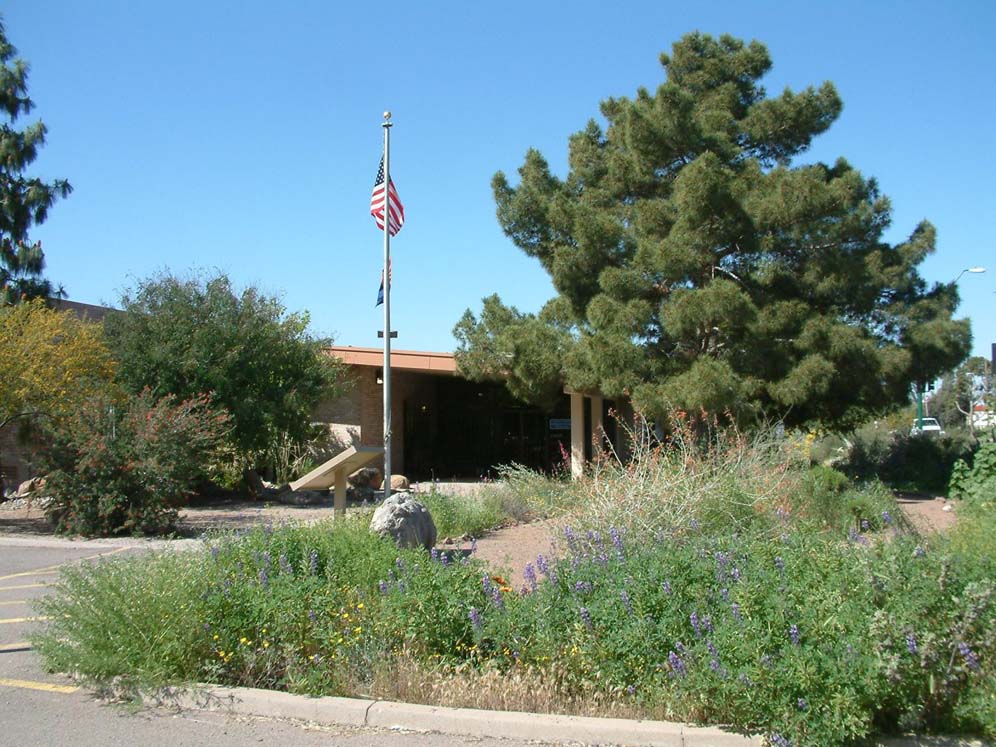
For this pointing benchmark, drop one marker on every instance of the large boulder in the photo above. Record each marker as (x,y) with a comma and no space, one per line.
(406,520)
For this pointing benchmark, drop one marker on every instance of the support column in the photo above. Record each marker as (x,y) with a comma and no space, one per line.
(339,501)
(597,426)
(577,434)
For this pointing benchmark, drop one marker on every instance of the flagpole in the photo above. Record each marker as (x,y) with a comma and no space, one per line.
(387,304)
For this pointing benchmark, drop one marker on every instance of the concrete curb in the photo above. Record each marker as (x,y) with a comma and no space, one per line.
(480,723)
(457,721)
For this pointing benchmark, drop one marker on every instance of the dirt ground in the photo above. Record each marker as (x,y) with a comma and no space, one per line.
(506,550)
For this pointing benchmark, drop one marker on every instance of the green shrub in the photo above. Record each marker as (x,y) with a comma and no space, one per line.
(118,467)
(978,482)
(909,462)
(473,515)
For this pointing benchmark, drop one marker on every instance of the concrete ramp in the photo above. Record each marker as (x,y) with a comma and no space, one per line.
(333,473)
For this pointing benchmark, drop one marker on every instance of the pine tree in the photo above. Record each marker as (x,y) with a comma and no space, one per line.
(698,268)
(24,201)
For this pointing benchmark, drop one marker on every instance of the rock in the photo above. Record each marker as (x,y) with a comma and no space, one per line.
(29,486)
(368,477)
(406,520)
(399,482)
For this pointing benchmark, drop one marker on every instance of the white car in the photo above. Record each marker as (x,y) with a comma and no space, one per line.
(930,427)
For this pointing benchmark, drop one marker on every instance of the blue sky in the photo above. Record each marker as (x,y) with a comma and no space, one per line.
(244,136)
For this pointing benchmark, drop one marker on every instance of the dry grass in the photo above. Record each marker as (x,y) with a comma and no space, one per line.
(521,688)
(721,478)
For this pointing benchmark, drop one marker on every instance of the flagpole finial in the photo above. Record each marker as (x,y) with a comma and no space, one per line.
(387,119)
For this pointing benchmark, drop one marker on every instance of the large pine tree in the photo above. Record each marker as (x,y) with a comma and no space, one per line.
(24,201)
(698,268)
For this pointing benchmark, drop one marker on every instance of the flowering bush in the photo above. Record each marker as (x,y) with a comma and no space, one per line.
(118,468)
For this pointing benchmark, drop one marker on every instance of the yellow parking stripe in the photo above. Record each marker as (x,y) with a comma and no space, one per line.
(44,686)
(22,646)
(10,620)
(40,572)
(53,569)
(23,586)
(17,601)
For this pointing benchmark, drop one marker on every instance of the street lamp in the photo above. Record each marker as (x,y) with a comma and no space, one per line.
(975,270)
(919,398)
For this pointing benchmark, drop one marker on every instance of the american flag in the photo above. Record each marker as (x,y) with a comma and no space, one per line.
(395,208)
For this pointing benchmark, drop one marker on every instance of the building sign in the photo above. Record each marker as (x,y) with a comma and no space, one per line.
(560,424)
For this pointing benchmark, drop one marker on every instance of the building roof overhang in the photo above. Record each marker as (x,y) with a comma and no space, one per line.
(408,360)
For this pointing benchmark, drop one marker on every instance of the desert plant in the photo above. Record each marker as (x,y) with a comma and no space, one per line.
(125,466)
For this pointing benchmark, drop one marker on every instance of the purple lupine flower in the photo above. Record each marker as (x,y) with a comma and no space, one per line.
(853,536)
(781,513)
(383,588)
(486,584)
(919,552)
(911,643)
(542,565)
(631,690)
(745,680)
(694,524)
(313,562)
(794,634)
(780,564)
(617,542)
(444,559)
(712,648)
(496,597)
(402,586)
(530,575)
(777,740)
(626,601)
(266,560)
(316,659)
(886,517)
(666,587)
(724,594)
(864,525)
(263,579)
(399,563)
(475,618)
(801,704)
(969,656)
(311,615)
(215,551)
(677,665)
(694,620)
(434,554)
(735,574)
(207,627)
(572,539)
(586,617)
(735,609)
(707,624)
(473,545)
(285,566)
(714,665)
(679,646)
(582,587)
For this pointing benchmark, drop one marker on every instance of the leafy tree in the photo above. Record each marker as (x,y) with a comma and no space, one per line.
(968,385)
(187,337)
(696,267)
(50,361)
(24,201)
